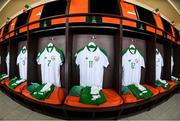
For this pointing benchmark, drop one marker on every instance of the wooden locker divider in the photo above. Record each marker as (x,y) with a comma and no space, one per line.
(150,64)
(167,61)
(3,54)
(176,57)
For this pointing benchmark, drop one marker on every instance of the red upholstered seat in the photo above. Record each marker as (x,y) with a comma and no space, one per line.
(19,88)
(130,98)
(56,97)
(172,84)
(112,99)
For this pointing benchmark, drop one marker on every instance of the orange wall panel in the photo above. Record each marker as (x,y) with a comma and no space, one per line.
(78,6)
(12,25)
(36,13)
(150,29)
(128,10)
(23,29)
(110,20)
(129,23)
(158,20)
(58,21)
(159,32)
(34,26)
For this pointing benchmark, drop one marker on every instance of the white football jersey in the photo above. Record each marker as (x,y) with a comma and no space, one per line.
(22,62)
(159,65)
(7,63)
(50,60)
(91,64)
(132,61)
(172,64)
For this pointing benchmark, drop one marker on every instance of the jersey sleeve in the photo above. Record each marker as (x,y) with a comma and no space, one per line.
(40,56)
(61,56)
(142,61)
(105,61)
(162,62)
(77,57)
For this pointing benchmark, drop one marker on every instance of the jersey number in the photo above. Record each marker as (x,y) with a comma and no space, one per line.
(49,61)
(90,64)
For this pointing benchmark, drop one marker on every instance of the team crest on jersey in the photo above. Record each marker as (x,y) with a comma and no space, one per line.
(96,58)
(52,58)
(45,57)
(86,58)
(129,60)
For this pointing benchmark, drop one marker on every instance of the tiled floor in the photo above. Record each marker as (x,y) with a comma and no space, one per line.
(10,110)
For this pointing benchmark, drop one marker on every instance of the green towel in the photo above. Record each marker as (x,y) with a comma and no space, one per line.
(32,87)
(3,76)
(13,83)
(163,85)
(138,93)
(86,97)
(42,95)
(174,79)
(75,91)
(125,90)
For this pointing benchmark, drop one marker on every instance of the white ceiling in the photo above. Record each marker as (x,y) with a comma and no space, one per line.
(169,9)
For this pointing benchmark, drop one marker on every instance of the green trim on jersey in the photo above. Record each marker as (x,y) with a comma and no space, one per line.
(59,50)
(126,49)
(75,91)
(159,83)
(86,97)
(140,52)
(32,87)
(138,94)
(40,52)
(75,56)
(92,46)
(103,51)
(42,95)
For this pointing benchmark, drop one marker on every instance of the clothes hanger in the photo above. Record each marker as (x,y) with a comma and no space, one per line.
(131,46)
(92,44)
(50,45)
(157,51)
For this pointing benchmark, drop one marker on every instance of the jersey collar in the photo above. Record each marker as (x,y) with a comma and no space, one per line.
(131,50)
(89,48)
(50,48)
(23,50)
(157,52)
